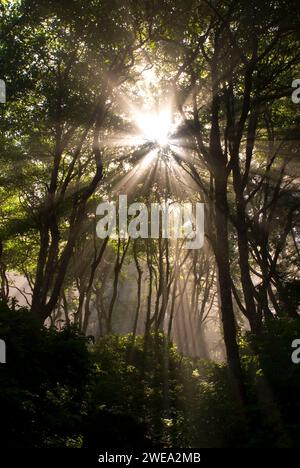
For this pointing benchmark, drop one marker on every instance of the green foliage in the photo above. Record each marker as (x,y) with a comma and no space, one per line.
(58,391)
(150,388)
(216,421)
(275,368)
(43,382)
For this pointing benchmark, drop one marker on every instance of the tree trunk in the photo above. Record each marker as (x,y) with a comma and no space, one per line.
(227,313)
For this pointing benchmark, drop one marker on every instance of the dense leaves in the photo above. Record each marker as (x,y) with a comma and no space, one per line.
(112,395)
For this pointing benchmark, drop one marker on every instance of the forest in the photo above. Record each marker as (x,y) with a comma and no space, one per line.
(123,326)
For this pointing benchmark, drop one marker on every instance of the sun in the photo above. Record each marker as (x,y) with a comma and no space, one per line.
(155,126)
